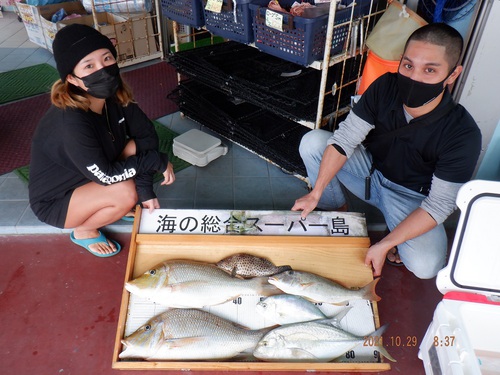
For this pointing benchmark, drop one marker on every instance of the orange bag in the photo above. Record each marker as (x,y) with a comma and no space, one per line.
(375,66)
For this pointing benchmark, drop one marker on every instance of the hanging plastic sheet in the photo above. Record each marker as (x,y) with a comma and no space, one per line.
(117,6)
(43,2)
(388,37)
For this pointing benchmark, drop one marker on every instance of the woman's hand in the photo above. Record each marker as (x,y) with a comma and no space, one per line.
(169,176)
(151,204)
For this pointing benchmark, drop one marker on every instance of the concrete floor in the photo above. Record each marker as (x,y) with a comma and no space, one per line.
(60,306)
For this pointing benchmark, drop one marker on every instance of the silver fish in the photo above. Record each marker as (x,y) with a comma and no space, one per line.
(184,283)
(287,308)
(247,265)
(189,334)
(320,289)
(311,342)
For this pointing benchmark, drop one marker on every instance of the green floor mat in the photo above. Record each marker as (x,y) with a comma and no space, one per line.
(166,137)
(25,82)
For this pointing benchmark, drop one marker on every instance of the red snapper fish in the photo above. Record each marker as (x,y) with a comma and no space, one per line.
(185,284)
(190,334)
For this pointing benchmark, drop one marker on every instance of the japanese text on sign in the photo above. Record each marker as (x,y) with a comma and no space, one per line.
(274,20)
(252,222)
(214,6)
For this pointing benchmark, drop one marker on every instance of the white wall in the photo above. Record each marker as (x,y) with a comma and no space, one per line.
(479,89)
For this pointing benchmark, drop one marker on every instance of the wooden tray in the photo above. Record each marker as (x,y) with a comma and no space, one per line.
(338,258)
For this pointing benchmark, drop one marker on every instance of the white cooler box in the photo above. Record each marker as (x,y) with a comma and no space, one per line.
(464,336)
(197,147)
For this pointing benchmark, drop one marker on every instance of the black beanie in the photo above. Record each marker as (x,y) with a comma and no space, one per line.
(73,42)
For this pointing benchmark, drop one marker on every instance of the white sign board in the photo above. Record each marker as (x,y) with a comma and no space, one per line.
(279,223)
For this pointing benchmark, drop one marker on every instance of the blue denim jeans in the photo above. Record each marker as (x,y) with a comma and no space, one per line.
(424,255)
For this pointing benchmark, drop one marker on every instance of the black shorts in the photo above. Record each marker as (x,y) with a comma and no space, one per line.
(53,212)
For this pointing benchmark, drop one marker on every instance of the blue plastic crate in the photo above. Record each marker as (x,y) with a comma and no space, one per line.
(303,41)
(186,12)
(234,24)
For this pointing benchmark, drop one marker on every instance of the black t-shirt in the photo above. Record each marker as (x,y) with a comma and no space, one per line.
(447,147)
(73,147)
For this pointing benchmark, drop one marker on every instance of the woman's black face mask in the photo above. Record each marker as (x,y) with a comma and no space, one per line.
(103,83)
(416,94)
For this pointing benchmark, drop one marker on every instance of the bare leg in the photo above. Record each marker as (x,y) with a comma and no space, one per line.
(129,150)
(93,206)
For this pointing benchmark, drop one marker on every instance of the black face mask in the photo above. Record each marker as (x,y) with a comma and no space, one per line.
(103,83)
(416,94)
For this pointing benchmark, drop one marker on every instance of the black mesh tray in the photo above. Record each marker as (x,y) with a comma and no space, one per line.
(268,135)
(257,78)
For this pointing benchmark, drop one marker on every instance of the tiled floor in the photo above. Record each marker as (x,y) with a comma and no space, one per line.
(16,51)
(237,180)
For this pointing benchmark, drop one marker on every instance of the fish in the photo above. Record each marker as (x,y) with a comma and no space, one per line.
(192,284)
(320,289)
(287,309)
(313,342)
(190,334)
(246,265)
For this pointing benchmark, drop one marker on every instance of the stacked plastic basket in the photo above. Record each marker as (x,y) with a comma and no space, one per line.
(185,12)
(298,39)
(301,39)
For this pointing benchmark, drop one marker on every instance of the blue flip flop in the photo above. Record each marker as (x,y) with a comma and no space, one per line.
(128,218)
(89,241)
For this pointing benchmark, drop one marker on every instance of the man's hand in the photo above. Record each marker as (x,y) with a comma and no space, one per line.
(151,204)
(375,258)
(306,204)
(169,176)
(417,223)
(331,162)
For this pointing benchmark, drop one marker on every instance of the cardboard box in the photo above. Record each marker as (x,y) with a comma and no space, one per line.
(464,335)
(132,33)
(143,34)
(50,28)
(32,17)
(114,27)
(31,20)
(339,257)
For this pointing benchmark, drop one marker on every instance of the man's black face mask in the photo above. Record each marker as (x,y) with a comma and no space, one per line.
(416,94)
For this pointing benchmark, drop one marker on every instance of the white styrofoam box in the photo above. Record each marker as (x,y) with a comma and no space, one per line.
(198,148)
(474,264)
(464,336)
